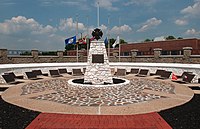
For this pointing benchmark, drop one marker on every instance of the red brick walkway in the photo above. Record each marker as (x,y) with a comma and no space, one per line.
(141,121)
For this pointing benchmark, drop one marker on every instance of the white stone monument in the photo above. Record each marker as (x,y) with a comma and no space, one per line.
(98,69)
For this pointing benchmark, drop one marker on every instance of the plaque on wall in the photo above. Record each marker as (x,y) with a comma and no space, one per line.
(97,58)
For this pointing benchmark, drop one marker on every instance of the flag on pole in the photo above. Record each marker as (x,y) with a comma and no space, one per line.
(106,40)
(116,42)
(174,77)
(71,40)
(82,40)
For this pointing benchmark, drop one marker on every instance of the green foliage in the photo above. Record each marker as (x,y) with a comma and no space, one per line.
(167,38)
(26,53)
(70,47)
(122,41)
(147,40)
(82,46)
(170,37)
(112,40)
(49,53)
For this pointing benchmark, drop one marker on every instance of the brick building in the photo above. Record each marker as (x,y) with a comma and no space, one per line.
(169,47)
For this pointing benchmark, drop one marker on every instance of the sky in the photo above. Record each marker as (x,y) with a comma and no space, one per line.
(45,24)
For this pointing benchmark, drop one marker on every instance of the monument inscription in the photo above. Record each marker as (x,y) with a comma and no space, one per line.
(97,58)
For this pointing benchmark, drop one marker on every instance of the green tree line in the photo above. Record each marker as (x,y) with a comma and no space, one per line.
(170,37)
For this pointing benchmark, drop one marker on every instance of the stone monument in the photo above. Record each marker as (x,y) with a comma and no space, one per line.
(98,69)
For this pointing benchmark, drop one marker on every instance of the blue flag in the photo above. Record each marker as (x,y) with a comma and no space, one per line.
(106,41)
(71,40)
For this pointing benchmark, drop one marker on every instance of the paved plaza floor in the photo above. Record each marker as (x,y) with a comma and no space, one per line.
(144,95)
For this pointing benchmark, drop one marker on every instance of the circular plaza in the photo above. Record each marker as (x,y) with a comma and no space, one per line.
(141,95)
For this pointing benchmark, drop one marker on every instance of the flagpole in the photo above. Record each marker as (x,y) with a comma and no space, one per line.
(119,50)
(119,38)
(108,37)
(87,39)
(98,14)
(76,35)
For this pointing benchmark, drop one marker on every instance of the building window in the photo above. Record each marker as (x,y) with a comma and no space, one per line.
(139,53)
(181,52)
(175,52)
(126,54)
(165,53)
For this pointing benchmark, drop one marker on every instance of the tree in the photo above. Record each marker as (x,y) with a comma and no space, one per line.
(26,53)
(110,41)
(47,53)
(122,41)
(147,40)
(69,47)
(170,37)
(179,38)
(82,46)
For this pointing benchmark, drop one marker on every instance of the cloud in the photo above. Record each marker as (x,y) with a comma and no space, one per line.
(65,23)
(46,2)
(21,24)
(149,24)
(26,33)
(140,2)
(80,4)
(160,38)
(192,32)
(45,30)
(6,3)
(103,27)
(120,29)
(181,22)
(107,4)
(71,3)
(192,11)
(70,24)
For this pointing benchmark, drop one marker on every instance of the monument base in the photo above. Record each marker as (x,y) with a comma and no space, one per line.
(98,69)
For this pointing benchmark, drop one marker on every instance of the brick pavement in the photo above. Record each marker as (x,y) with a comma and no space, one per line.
(140,121)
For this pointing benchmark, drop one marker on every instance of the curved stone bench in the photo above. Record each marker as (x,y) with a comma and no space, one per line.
(45,67)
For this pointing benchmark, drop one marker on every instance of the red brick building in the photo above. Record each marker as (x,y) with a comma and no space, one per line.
(169,47)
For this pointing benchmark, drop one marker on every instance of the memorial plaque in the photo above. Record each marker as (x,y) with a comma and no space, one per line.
(97,58)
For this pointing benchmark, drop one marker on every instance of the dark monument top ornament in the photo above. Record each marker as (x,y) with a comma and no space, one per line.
(97,33)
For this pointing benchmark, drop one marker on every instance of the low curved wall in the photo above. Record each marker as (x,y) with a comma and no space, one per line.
(174,67)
